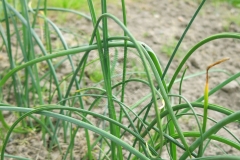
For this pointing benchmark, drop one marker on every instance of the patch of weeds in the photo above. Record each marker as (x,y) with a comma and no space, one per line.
(231,19)
(70,4)
(146,35)
(137,69)
(168,49)
(235,3)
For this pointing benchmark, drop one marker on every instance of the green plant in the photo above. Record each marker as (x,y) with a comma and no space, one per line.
(60,103)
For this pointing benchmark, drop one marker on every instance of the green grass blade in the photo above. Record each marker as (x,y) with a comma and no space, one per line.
(214,129)
(201,43)
(125,55)
(183,35)
(42,110)
(219,86)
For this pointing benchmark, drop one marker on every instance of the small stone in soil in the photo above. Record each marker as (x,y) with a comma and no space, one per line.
(194,63)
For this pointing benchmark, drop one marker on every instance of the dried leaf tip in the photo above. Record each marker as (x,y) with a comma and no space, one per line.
(217,62)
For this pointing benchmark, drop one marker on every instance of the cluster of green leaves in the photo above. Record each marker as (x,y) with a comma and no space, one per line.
(150,134)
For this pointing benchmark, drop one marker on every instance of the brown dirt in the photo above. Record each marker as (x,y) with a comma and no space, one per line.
(159,25)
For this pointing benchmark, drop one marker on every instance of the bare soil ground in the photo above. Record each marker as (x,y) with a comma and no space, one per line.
(160,24)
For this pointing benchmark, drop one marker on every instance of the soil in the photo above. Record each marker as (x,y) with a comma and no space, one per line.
(159,25)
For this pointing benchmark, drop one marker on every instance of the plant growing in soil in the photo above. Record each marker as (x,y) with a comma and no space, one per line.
(47,95)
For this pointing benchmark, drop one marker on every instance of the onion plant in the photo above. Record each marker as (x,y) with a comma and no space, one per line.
(42,100)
